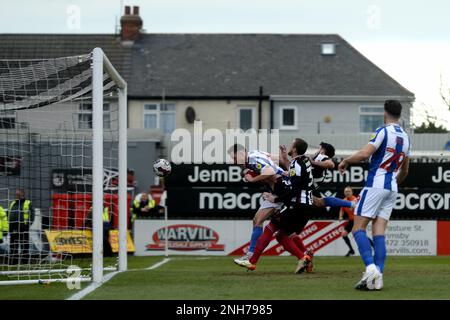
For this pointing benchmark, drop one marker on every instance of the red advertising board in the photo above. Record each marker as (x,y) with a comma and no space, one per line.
(75,207)
(443,238)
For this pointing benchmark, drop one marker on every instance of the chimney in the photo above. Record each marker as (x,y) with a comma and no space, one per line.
(131,24)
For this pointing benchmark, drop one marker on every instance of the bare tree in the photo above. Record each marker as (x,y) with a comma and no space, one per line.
(429,124)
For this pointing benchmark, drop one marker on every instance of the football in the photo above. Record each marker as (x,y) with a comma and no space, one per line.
(162,167)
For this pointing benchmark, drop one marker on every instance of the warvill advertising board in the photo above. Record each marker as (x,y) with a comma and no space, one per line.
(231,237)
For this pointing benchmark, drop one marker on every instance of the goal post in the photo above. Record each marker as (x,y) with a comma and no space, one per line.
(101,62)
(63,143)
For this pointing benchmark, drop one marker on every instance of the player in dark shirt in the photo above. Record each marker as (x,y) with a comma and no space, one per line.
(296,195)
(321,162)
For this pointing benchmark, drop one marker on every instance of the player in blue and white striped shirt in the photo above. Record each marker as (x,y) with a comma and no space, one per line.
(261,168)
(388,152)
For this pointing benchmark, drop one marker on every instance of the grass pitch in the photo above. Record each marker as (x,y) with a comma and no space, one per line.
(218,278)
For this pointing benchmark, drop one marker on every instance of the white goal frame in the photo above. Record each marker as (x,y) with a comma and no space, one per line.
(100,64)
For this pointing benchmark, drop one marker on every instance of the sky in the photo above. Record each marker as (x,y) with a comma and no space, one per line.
(410,40)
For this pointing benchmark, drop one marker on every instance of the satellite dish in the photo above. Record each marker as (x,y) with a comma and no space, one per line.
(190,115)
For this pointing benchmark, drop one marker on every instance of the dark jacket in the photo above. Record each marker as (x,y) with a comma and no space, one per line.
(20,215)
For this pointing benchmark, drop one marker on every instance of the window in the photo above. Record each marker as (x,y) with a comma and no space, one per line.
(370,118)
(288,118)
(7,120)
(328,49)
(160,116)
(246,118)
(85,116)
(150,116)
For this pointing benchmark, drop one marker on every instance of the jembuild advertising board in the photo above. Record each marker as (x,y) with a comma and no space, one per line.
(231,237)
(203,191)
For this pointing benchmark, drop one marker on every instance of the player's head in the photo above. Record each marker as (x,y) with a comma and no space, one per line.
(348,191)
(298,147)
(327,149)
(392,110)
(238,153)
(20,193)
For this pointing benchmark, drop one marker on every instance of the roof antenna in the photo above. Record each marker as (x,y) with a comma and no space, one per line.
(117,28)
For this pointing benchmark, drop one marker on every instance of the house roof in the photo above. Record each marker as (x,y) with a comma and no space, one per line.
(221,65)
(38,46)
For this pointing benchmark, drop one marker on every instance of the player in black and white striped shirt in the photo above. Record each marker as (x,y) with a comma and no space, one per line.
(297,198)
(322,162)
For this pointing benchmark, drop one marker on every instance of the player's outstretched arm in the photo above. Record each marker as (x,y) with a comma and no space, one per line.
(404,170)
(359,156)
(266,172)
(327,164)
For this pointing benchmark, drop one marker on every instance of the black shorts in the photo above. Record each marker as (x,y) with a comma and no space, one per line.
(349,226)
(292,220)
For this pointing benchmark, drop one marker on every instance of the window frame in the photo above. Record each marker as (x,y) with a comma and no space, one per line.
(369,113)
(288,127)
(82,111)
(155,112)
(243,107)
(326,46)
(158,113)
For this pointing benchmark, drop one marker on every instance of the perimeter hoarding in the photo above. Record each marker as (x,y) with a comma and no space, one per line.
(217,191)
(80,241)
(231,237)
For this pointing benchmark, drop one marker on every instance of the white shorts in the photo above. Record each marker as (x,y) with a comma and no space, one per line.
(267,204)
(375,202)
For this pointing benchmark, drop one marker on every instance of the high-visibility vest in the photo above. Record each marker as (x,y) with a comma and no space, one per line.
(25,209)
(151,203)
(106,214)
(4,226)
(137,204)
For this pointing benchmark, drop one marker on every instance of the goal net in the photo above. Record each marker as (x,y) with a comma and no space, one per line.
(62,169)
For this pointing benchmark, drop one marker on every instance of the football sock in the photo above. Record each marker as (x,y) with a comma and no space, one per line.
(336,202)
(263,242)
(289,245)
(371,242)
(347,241)
(299,243)
(380,251)
(256,233)
(364,246)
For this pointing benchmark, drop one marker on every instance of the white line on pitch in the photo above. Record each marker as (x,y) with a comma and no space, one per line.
(158,264)
(81,294)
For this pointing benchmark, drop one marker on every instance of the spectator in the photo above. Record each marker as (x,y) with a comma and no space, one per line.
(21,216)
(144,207)
(106,217)
(4,228)
(348,192)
